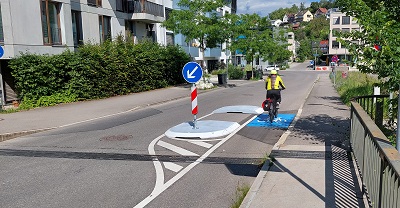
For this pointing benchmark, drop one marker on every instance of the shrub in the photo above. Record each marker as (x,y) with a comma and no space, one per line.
(96,71)
(235,72)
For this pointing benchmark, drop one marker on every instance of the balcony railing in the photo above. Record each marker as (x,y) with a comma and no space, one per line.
(145,7)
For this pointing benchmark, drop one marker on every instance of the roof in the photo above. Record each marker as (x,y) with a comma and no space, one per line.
(322,10)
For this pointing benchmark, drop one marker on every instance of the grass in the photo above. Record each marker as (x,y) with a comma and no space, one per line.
(355,84)
(241,192)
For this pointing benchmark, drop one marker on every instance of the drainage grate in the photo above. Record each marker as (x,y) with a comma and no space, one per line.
(310,154)
(116,138)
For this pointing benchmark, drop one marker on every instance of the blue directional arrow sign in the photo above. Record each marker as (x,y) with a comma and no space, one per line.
(192,72)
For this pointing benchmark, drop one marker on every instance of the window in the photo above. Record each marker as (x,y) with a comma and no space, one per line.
(335,32)
(336,21)
(77,27)
(51,22)
(95,3)
(104,28)
(167,12)
(1,28)
(335,44)
(346,20)
(345,30)
(170,39)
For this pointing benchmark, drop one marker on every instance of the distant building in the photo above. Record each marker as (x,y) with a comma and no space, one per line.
(304,16)
(292,44)
(276,23)
(340,22)
(321,12)
(288,18)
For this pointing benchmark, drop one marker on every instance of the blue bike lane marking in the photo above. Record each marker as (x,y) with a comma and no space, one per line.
(282,121)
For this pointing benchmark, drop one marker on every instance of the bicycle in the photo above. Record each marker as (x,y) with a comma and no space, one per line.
(270,105)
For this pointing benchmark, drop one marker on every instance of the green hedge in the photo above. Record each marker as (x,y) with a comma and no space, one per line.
(96,71)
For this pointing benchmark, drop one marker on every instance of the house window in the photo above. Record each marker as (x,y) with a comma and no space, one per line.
(335,32)
(345,30)
(95,3)
(346,20)
(77,27)
(1,28)
(51,22)
(104,28)
(335,44)
(167,13)
(122,6)
(336,21)
(170,39)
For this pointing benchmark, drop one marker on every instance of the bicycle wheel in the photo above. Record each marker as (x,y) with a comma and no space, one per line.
(271,111)
(275,109)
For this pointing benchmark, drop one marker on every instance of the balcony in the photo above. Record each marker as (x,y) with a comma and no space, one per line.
(145,11)
(212,52)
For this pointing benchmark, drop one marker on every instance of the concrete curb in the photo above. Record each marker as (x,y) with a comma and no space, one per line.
(8,136)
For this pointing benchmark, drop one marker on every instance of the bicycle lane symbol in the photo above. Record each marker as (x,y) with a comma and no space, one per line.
(282,121)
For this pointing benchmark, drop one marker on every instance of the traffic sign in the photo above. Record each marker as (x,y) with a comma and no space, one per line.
(192,72)
(335,58)
(1,51)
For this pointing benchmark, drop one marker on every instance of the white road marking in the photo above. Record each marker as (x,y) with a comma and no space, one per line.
(203,144)
(176,149)
(172,166)
(160,187)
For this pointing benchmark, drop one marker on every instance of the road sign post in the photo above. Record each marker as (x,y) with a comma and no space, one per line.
(192,72)
(2,99)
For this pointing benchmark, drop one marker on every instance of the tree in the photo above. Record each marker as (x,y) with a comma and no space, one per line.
(378,50)
(199,20)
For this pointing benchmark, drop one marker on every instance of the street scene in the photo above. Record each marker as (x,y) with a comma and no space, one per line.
(223,103)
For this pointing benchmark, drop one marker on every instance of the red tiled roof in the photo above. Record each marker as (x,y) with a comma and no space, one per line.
(323,10)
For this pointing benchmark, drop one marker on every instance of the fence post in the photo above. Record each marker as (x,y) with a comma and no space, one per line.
(379,112)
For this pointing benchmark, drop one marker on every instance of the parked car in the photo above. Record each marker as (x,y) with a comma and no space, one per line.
(271,67)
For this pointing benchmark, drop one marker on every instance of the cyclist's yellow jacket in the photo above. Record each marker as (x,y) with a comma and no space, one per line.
(273,82)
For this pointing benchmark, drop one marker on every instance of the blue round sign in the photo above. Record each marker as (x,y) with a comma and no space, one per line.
(1,51)
(192,72)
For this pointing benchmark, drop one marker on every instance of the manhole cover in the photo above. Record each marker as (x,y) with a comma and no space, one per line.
(116,138)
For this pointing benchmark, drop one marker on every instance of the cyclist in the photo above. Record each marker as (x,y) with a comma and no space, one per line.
(273,85)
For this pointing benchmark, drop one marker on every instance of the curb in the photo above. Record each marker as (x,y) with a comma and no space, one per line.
(8,136)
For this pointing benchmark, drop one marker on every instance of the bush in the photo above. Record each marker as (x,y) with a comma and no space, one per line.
(235,72)
(96,71)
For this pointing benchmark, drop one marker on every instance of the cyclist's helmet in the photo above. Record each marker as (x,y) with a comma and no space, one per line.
(274,72)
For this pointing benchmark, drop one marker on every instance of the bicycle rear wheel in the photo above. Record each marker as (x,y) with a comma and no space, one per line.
(271,111)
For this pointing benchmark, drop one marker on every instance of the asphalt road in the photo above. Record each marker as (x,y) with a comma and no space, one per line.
(126,161)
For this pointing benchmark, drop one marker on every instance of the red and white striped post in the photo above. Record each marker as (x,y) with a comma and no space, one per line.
(193,96)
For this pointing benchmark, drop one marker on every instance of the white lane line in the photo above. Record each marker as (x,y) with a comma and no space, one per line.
(203,144)
(176,149)
(158,189)
(172,166)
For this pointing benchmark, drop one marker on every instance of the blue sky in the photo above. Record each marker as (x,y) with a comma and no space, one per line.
(264,7)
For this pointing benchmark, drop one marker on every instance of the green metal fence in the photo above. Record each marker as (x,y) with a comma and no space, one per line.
(377,159)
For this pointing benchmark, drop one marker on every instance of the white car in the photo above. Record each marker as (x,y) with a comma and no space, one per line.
(272,67)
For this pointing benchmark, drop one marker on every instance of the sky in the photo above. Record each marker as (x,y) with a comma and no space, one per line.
(264,7)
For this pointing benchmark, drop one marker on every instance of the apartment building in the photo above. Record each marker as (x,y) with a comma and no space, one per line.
(340,22)
(52,26)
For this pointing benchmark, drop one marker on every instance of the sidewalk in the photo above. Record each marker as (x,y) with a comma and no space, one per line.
(311,164)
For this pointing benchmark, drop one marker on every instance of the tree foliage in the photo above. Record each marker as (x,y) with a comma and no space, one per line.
(378,50)
(280,13)
(199,20)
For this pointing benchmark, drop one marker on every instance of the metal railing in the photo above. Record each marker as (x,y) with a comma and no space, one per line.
(145,7)
(377,159)
(374,106)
